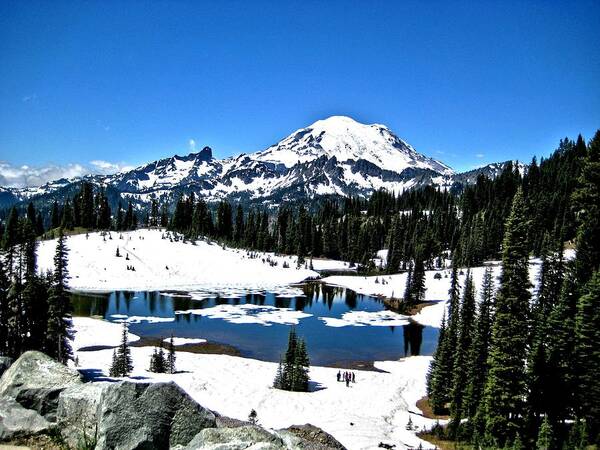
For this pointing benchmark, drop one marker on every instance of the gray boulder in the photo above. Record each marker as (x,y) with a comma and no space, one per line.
(78,413)
(5,363)
(148,416)
(308,437)
(35,380)
(238,438)
(17,421)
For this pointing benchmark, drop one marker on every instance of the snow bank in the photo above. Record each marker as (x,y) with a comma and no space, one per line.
(436,289)
(184,341)
(91,332)
(162,264)
(374,409)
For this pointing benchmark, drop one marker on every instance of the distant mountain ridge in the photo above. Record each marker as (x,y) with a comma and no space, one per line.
(334,156)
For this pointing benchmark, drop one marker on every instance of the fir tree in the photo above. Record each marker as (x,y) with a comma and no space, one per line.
(587,335)
(461,354)
(171,357)
(478,356)
(122,364)
(544,439)
(506,385)
(59,327)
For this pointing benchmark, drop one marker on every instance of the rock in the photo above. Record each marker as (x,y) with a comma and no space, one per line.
(78,413)
(228,422)
(35,380)
(148,416)
(17,421)
(237,438)
(308,437)
(5,363)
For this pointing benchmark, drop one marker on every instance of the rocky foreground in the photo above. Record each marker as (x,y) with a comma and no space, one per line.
(39,396)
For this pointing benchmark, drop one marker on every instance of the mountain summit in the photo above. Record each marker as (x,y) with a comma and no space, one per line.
(346,139)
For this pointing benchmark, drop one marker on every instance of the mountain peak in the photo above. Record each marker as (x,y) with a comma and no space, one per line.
(346,139)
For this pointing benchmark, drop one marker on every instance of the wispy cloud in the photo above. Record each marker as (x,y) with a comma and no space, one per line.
(30,176)
(29,98)
(479,155)
(192,145)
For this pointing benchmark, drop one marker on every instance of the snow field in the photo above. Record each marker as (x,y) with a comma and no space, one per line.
(374,409)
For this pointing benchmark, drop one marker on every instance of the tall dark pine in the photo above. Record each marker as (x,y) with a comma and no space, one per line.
(478,356)
(4,307)
(506,384)
(461,353)
(60,325)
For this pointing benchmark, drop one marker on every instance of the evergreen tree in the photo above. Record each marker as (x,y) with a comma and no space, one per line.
(478,356)
(506,387)
(587,335)
(544,440)
(4,308)
(461,354)
(171,357)
(122,364)
(59,327)
(292,373)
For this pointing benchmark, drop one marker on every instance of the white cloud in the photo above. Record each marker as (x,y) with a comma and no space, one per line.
(479,155)
(192,145)
(106,167)
(29,176)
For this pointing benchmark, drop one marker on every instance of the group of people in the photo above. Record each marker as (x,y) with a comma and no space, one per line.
(346,377)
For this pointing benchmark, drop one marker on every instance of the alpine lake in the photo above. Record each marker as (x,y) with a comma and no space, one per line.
(256,324)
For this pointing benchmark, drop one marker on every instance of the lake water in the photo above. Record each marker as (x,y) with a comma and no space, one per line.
(257,324)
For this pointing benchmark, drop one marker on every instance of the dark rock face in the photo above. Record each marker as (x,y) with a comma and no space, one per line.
(148,416)
(35,381)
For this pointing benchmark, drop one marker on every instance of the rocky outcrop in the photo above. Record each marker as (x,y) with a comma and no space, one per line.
(147,415)
(308,437)
(35,381)
(78,413)
(17,421)
(238,438)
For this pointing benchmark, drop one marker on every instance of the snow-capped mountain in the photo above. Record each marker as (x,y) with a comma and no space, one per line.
(334,156)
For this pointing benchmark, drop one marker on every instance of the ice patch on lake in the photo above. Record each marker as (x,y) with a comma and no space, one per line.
(248,313)
(207,294)
(366,318)
(140,319)
(184,341)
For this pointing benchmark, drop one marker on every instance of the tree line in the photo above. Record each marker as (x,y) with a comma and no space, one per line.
(519,370)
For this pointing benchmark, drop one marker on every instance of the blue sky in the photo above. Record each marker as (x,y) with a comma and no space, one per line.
(128,82)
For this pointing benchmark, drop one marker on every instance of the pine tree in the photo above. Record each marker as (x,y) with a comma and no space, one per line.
(279,382)
(461,354)
(478,356)
(544,440)
(587,335)
(4,308)
(59,327)
(122,364)
(506,387)
(171,357)
(440,373)
(292,373)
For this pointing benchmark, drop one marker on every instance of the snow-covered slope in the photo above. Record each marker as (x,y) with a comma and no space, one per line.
(345,139)
(162,264)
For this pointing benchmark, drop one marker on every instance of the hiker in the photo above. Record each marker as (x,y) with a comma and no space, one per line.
(347,381)
(353,377)
(339,375)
